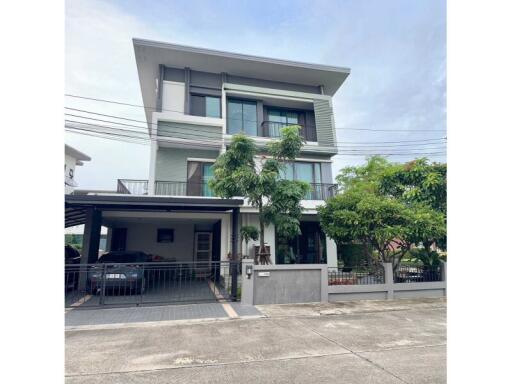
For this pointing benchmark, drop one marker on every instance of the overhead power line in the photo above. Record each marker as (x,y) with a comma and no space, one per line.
(201,133)
(138,137)
(181,112)
(211,140)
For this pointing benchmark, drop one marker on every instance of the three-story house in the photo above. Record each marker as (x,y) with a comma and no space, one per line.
(195,100)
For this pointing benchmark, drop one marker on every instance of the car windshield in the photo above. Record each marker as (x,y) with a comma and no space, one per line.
(123,258)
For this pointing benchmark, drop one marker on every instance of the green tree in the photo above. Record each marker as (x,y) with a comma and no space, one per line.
(382,216)
(278,200)
(419,182)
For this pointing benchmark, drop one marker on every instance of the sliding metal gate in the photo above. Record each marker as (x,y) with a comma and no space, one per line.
(128,284)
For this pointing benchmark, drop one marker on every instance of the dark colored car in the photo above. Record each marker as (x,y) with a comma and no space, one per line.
(120,272)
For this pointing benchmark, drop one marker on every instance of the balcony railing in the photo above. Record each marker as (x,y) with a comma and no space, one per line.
(273,129)
(319,191)
(132,187)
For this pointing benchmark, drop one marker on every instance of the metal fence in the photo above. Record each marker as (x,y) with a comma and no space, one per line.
(132,187)
(417,273)
(356,275)
(318,191)
(119,284)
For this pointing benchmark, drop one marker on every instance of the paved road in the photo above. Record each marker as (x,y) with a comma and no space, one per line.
(364,342)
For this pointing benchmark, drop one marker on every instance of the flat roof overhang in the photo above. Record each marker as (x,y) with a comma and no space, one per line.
(150,54)
(76,206)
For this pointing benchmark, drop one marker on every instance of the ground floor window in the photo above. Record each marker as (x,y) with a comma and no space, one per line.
(308,248)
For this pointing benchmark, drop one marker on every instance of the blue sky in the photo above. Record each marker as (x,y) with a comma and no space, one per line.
(396,51)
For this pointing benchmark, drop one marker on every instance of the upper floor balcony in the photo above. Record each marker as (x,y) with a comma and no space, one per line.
(318,191)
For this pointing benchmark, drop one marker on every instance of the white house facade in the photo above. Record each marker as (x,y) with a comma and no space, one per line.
(72,159)
(195,101)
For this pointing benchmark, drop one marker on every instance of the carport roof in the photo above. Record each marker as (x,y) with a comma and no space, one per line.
(76,205)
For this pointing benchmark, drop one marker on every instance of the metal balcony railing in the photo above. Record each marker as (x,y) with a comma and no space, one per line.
(319,191)
(273,129)
(132,187)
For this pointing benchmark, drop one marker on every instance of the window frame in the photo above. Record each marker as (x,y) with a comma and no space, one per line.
(242,102)
(202,107)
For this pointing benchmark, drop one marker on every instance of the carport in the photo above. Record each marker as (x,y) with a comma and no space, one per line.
(165,282)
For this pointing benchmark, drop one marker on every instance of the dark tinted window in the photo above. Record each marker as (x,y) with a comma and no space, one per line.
(208,106)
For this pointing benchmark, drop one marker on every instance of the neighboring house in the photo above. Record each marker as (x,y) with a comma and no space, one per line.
(195,99)
(73,158)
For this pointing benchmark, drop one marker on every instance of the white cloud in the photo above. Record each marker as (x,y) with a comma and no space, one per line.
(100,63)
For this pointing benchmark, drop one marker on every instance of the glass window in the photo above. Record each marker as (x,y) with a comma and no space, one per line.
(304,172)
(278,119)
(287,172)
(242,117)
(207,175)
(212,106)
(307,248)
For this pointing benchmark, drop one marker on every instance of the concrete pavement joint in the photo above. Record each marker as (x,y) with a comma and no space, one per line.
(211,364)
(354,353)
(347,313)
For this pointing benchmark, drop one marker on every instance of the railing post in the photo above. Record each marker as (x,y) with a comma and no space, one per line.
(234,252)
(103,284)
(389,280)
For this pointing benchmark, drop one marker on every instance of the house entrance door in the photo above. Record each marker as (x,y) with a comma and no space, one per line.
(202,252)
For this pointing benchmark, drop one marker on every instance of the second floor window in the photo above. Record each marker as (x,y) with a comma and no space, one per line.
(242,117)
(303,171)
(208,106)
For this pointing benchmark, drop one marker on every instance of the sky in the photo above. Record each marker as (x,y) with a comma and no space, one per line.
(396,51)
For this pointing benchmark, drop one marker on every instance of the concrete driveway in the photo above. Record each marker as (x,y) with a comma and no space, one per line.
(402,341)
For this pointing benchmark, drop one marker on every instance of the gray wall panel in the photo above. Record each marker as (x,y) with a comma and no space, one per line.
(324,128)
(174,74)
(288,286)
(272,84)
(171,163)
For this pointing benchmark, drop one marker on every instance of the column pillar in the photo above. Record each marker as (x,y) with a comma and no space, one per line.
(234,251)
(90,243)
(247,283)
(388,279)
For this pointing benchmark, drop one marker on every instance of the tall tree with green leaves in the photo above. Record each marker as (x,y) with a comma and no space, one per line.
(419,182)
(236,173)
(373,211)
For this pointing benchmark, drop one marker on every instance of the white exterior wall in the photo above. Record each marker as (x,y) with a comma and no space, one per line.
(69,172)
(270,236)
(173,96)
(332,253)
(143,237)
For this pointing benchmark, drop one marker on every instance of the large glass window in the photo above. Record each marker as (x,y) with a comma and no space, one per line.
(278,119)
(308,248)
(242,117)
(308,172)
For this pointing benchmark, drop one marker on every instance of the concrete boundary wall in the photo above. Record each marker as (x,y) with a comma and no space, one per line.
(282,284)
(305,283)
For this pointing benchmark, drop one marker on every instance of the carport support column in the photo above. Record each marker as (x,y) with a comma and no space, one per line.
(91,243)
(234,252)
